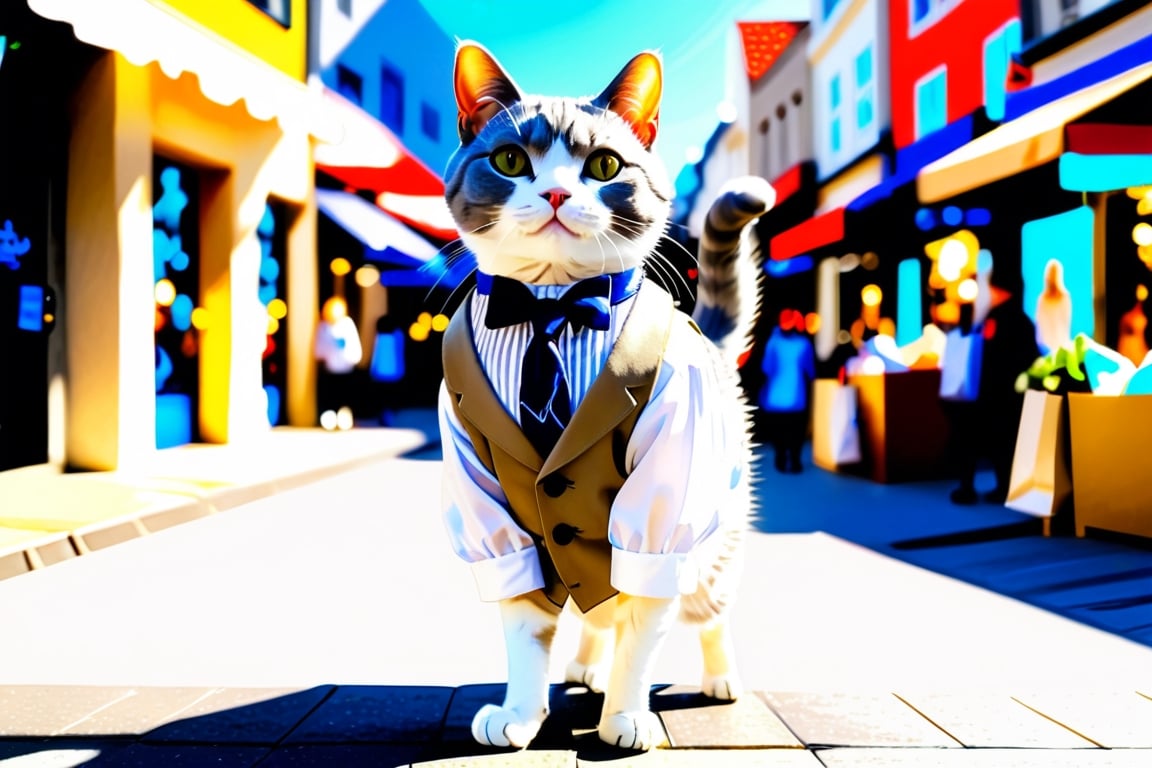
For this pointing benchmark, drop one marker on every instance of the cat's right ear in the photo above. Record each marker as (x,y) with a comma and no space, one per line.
(482,87)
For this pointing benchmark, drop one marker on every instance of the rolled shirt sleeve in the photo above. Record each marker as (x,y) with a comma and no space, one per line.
(502,556)
(686,451)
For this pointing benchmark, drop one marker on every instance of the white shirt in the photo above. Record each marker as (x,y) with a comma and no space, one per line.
(687,449)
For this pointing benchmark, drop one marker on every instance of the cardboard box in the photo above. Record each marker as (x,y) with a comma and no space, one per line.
(1112,462)
(903,429)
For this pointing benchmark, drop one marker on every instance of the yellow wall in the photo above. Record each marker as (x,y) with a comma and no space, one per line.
(124,114)
(246,26)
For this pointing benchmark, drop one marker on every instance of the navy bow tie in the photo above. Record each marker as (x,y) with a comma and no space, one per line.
(585,305)
(545,402)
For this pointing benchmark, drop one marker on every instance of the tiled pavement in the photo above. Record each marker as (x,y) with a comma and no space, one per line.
(357,725)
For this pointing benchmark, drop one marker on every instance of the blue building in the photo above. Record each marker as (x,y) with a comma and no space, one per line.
(398,67)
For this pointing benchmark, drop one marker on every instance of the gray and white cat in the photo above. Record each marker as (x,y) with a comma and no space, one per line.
(654,464)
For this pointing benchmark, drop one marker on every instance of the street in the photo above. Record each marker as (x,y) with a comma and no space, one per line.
(350,580)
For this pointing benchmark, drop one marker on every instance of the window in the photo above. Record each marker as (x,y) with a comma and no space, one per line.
(281,10)
(924,13)
(392,98)
(932,102)
(865,89)
(349,84)
(829,6)
(430,121)
(835,104)
(998,50)
(345,7)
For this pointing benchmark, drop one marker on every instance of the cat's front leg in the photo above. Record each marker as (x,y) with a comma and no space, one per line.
(528,632)
(642,623)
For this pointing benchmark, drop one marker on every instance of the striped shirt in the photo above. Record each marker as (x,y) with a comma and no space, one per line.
(582,354)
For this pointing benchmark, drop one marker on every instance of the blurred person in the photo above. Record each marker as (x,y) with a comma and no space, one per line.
(789,367)
(1053,310)
(339,351)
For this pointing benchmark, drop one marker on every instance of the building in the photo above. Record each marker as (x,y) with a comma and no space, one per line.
(187,242)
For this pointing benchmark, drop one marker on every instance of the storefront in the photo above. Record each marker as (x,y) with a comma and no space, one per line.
(39,65)
(190,234)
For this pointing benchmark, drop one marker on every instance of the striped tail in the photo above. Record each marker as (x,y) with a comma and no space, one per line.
(727,293)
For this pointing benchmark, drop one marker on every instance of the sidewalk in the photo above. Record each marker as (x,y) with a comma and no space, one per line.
(328,624)
(47,516)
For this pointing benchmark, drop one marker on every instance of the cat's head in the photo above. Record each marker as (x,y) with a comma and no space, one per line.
(553,190)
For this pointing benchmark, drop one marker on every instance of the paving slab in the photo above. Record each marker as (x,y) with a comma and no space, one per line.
(984,758)
(713,758)
(992,720)
(381,714)
(1111,719)
(693,721)
(344,756)
(861,720)
(241,716)
(51,710)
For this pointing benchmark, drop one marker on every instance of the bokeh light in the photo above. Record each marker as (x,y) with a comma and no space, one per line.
(165,292)
(277,309)
(967,290)
(440,323)
(871,295)
(1142,233)
(418,332)
(367,276)
(340,266)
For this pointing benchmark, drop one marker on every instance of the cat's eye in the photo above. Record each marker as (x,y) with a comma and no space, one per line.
(510,161)
(603,165)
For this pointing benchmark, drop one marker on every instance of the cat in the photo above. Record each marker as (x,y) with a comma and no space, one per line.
(638,512)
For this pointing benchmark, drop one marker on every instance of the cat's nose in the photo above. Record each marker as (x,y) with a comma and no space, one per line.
(555,197)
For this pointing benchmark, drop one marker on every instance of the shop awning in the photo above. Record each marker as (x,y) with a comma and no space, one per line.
(1027,142)
(144,32)
(825,229)
(368,156)
(389,240)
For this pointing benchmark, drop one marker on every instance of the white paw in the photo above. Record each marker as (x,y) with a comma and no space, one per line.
(722,687)
(500,727)
(632,730)
(594,678)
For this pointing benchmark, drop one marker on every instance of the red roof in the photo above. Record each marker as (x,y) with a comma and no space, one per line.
(764,42)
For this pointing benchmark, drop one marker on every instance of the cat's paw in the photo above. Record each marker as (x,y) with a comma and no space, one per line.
(502,727)
(722,687)
(632,730)
(594,678)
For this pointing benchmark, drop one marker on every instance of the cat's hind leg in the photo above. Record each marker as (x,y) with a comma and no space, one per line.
(528,631)
(721,680)
(592,663)
(642,623)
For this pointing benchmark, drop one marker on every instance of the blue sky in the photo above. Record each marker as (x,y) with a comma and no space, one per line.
(575,48)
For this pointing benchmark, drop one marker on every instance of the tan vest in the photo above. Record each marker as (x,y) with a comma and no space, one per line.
(563,501)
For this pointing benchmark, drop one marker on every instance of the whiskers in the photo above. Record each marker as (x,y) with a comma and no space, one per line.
(664,269)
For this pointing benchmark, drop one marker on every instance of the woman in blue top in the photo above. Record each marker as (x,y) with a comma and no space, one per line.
(789,367)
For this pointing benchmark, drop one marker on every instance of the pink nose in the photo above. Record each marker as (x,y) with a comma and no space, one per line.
(555,197)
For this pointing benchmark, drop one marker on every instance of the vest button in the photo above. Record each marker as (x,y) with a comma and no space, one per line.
(555,484)
(563,534)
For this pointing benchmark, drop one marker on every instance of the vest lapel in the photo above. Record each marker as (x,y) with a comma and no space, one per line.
(477,401)
(634,358)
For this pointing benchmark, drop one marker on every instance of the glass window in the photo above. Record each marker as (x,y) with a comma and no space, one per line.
(829,6)
(920,10)
(345,7)
(430,121)
(998,51)
(865,88)
(932,103)
(864,68)
(281,10)
(392,99)
(834,92)
(349,84)
(834,138)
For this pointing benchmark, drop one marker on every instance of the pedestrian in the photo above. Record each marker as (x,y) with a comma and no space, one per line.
(789,367)
(1053,310)
(338,350)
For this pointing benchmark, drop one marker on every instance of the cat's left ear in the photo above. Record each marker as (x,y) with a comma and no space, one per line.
(482,87)
(635,95)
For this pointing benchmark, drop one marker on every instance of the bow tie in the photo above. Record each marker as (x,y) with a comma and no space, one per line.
(585,305)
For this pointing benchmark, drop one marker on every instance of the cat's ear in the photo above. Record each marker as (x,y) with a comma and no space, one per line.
(483,88)
(635,95)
